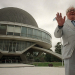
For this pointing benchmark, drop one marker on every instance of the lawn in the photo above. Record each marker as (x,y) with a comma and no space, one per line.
(55,64)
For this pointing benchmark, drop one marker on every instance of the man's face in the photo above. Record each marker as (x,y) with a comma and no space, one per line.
(71,14)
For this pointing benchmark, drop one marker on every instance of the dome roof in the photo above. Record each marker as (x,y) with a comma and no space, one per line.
(13,14)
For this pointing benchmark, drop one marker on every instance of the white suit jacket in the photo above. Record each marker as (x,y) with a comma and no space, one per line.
(67,32)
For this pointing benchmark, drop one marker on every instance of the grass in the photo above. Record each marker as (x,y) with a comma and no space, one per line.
(55,64)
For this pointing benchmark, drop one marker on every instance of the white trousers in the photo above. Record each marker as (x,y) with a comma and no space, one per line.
(70,65)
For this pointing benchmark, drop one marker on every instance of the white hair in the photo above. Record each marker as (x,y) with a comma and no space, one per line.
(69,8)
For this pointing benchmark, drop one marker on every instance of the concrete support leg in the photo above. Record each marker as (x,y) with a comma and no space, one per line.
(23,58)
(1,55)
(39,54)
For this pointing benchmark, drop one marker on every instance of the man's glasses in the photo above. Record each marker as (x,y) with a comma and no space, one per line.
(71,10)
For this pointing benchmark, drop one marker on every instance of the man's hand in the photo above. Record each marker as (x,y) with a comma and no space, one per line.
(59,19)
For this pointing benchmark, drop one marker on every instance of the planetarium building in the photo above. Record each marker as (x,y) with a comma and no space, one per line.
(20,35)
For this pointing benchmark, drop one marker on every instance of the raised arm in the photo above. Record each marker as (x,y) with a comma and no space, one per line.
(60,21)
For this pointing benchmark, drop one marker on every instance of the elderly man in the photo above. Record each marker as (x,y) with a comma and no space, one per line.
(66,30)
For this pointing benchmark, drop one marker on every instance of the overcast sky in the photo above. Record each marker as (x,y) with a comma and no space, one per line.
(43,11)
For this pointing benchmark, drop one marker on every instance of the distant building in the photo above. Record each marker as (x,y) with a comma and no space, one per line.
(20,34)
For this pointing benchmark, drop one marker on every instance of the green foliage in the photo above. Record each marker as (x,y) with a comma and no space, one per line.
(40,58)
(55,64)
(48,57)
(37,60)
(58,48)
(52,58)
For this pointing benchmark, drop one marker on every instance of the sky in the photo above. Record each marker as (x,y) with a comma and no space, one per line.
(43,11)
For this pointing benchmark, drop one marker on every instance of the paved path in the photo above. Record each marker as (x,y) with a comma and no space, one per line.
(32,71)
(15,65)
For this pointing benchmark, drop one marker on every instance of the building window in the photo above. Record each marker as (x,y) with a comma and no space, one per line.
(17,34)
(3,29)
(35,34)
(29,32)
(5,45)
(18,47)
(39,34)
(10,28)
(24,31)
(1,44)
(9,33)
(22,45)
(43,36)
(17,29)
(49,39)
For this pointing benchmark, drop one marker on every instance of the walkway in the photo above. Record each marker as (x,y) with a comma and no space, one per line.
(14,65)
(32,70)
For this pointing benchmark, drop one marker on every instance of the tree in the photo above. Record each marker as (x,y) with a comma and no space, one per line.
(58,48)
(48,57)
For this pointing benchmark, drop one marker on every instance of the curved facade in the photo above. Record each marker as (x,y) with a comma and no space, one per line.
(12,14)
(18,34)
